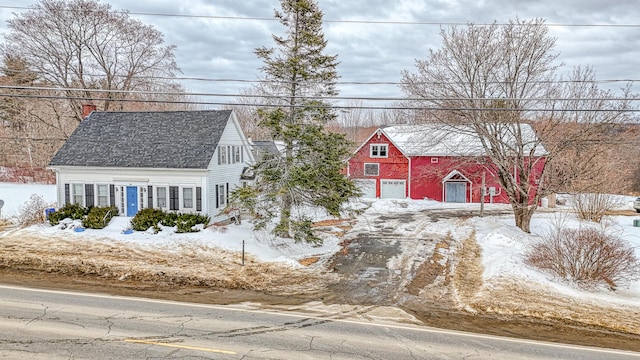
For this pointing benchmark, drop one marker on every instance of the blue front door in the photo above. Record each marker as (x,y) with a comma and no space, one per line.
(132,200)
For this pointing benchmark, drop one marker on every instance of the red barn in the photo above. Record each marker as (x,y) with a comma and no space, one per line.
(431,162)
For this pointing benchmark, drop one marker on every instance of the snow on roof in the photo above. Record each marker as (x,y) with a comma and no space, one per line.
(446,140)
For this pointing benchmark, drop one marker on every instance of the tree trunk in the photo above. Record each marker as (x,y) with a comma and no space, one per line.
(523,215)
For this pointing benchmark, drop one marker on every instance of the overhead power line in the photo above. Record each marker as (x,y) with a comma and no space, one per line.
(299,97)
(350,82)
(333,106)
(347,21)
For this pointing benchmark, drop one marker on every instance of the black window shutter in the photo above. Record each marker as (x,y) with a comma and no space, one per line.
(226,195)
(150,196)
(67,194)
(174,198)
(217,198)
(88,195)
(198,198)
(112,195)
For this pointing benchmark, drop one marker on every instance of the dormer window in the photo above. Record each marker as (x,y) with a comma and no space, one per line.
(378,150)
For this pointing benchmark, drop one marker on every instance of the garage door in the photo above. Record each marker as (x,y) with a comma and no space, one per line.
(392,189)
(367,187)
(456,192)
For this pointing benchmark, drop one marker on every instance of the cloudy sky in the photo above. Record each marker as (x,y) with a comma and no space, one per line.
(376,39)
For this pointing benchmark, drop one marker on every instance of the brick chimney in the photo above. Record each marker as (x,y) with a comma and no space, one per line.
(87,109)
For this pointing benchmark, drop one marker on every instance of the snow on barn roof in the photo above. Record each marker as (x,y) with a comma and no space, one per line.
(446,140)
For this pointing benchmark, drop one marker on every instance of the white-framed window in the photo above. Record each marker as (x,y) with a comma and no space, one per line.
(102,195)
(378,150)
(77,194)
(371,169)
(222,195)
(187,198)
(237,154)
(434,160)
(161,197)
(222,155)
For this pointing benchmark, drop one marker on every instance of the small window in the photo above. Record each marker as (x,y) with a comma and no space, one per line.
(102,194)
(237,157)
(161,197)
(434,160)
(187,198)
(77,193)
(372,169)
(222,198)
(378,150)
(222,155)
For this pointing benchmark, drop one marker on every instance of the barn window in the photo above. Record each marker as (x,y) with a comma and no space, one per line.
(378,150)
(371,169)
(434,160)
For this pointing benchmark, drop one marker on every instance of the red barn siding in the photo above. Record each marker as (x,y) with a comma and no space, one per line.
(424,175)
(394,167)
(428,172)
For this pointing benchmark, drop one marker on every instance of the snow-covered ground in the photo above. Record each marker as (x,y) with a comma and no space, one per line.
(502,244)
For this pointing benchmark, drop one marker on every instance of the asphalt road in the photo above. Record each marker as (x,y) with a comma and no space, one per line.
(44,324)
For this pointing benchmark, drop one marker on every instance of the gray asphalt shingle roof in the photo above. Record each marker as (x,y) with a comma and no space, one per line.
(166,139)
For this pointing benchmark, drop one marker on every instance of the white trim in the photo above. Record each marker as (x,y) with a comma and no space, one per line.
(454,173)
(380,147)
(96,195)
(72,193)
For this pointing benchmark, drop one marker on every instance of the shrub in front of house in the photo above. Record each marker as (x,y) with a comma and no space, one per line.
(99,217)
(70,211)
(184,223)
(169,219)
(147,218)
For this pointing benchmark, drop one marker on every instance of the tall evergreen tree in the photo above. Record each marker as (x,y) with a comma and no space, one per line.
(298,76)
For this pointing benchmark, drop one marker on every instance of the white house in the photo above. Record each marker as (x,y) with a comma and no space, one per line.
(184,161)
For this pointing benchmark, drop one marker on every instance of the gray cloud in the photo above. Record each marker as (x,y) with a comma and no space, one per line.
(224,48)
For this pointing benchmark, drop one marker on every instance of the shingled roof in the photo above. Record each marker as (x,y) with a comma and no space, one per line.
(171,139)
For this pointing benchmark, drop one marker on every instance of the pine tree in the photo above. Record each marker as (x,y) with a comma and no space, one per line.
(308,172)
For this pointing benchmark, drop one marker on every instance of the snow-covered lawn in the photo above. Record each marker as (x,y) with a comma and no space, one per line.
(509,286)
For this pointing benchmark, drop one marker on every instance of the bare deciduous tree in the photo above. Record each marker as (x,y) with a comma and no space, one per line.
(85,45)
(498,81)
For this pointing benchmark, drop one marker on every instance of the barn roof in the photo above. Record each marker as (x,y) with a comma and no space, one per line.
(443,140)
(164,139)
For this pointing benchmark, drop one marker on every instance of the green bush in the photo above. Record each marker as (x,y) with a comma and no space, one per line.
(147,218)
(169,219)
(184,223)
(71,211)
(99,217)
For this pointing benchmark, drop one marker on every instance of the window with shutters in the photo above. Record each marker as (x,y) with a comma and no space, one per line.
(222,155)
(161,197)
(222,195)
(102,194)
(371,169)
(237,154)
(187,198)
(77,194)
